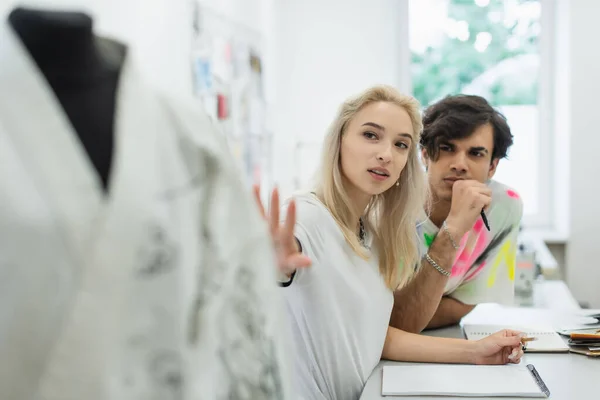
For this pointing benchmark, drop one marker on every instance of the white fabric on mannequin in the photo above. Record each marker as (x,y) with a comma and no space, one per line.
(164,288)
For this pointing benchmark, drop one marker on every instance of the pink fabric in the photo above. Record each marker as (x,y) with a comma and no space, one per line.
(512,193)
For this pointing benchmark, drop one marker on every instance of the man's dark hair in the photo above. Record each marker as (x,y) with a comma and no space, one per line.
(457,117)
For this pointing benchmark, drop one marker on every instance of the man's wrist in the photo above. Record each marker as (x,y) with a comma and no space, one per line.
(444,271)
(451,237)
(454,229)
(444,247)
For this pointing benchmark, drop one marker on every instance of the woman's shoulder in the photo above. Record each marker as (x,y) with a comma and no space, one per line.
(310,211)
(314,224)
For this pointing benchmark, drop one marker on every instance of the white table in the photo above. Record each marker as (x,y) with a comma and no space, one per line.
(568,376)
(554,295)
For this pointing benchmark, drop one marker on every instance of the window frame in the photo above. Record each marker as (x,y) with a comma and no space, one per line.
(551,220)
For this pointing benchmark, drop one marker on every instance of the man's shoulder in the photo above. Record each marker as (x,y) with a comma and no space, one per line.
(506,201)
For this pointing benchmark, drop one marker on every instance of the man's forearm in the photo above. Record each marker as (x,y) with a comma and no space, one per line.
(416,303)
(449,312)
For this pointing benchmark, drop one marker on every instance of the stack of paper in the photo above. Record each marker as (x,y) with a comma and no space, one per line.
(587,343)
(590,314)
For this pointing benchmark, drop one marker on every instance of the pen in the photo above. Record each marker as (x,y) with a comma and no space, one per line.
(528,339)
(525,340)
(485,221)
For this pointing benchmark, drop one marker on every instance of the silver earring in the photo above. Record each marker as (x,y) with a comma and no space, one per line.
(397,183)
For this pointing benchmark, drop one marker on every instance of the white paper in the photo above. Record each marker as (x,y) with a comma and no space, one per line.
(459,380)
(547,340)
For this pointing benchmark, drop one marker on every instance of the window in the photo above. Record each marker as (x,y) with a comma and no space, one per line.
(494,48)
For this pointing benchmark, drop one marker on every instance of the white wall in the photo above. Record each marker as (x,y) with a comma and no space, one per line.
(316,53)
(159,31)
(583,258)
(173,19)
(324,51)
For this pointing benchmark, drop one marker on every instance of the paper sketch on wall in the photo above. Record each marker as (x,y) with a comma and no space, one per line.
(228,76)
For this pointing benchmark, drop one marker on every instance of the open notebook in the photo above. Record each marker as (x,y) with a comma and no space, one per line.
(548,341)
(463,381)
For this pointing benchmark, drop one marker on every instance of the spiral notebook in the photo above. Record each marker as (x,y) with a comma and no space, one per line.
(548,341)
(463,381)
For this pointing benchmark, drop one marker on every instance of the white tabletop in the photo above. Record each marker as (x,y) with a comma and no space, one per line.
(568,376)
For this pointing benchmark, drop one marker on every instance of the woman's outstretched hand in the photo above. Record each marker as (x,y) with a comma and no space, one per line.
(500,348)
(289,257)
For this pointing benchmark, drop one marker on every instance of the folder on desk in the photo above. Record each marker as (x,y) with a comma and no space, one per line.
(586,351)
(588,313)
(586,336)
(547,340)
(587,329)
(463,381)
(587,343)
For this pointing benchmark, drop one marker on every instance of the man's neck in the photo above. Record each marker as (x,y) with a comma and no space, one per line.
(439,210)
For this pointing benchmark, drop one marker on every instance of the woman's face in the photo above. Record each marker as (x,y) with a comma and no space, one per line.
(374,149)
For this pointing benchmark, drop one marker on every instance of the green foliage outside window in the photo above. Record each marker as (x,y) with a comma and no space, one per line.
(506,72)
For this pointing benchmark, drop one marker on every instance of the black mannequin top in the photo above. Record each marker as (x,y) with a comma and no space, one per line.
(82,70)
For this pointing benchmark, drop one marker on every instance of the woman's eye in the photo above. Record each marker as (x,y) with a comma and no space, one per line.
(370,135)
(402,145)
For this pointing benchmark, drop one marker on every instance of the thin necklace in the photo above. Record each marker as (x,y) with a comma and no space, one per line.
(361,232)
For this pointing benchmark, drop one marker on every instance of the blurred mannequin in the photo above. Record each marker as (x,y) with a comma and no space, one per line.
(81,69)
(161,287)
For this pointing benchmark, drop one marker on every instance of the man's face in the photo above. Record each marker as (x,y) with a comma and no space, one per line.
(468,158)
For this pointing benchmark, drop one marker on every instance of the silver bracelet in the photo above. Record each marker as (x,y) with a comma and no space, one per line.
(445,228)
(436,266)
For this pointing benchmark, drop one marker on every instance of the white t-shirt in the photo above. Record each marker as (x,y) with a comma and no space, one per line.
(484,267)
(339,310)
(160,289)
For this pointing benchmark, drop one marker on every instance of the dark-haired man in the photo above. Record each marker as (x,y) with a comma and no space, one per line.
(463,263)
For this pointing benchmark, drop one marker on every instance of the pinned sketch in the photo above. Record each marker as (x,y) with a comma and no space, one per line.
(228,78)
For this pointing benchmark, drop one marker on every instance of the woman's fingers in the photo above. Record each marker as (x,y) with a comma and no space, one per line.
(298,260)
(509,341)
(506,354)
(257,199)
(274,213)
(511,332)
(515,356)
(290,222)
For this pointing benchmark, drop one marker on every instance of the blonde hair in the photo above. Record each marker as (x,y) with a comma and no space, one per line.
(390,216)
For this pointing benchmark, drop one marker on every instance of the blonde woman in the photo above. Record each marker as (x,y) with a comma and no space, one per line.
(352,232)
